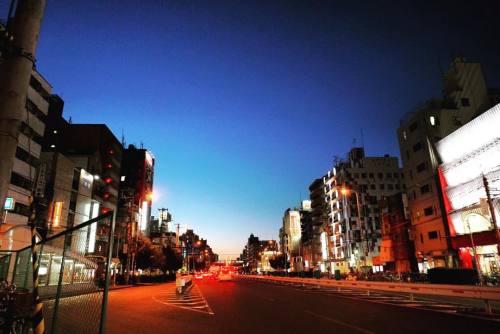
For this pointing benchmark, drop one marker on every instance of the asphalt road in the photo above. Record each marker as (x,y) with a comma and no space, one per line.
(255,307)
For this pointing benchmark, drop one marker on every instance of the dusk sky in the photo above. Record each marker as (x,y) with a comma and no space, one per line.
(245,103)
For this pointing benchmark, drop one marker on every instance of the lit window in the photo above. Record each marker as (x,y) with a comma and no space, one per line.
(53,146)
(404,135)
(432,120)
(122,178)
(55,131)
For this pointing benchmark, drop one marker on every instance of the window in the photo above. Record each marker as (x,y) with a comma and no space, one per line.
(370,175)
(363,175)
(404,135)
(396,175)
(372,186)
(413,126)
(465,102)
(418,146)
(421,238)
(23,155)
(432,235)
(421,167)
(428,211)
(432,120)
(380,175)
(21,181)
(390,186)
(382,186)
(388,175)
(411,174)
(397,186)
(22,209)
(356,175)
(407,154)
(415,197)
(425,189)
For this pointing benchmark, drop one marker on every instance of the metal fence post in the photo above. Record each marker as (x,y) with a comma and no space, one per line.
(102,325)
(59,285)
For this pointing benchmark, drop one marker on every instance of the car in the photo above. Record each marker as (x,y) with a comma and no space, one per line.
(198,276)
(225,276)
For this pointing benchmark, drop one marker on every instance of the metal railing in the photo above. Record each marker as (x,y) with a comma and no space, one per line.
(74,275)
(485,294)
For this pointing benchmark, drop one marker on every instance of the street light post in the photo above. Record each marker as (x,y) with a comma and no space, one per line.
(345,191)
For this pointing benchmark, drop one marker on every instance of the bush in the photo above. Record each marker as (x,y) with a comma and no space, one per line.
(452,276)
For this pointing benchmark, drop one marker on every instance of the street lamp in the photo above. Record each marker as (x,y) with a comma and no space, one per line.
(346,191)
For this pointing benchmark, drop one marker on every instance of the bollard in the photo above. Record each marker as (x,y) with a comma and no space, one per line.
(367,292)
(339,289)
(412,298)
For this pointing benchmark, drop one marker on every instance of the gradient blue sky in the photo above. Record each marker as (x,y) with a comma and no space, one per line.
(244,103)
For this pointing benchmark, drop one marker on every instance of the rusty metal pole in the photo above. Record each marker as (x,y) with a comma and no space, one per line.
(15,74)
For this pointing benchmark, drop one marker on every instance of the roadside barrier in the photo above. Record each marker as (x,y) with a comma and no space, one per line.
(183,282)
(486,294)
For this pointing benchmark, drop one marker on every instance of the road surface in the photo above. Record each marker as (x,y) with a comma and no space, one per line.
(257,307)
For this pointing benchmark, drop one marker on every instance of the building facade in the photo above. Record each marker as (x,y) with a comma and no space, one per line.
(14,233)
(465,96)
(470,178)
(353,189)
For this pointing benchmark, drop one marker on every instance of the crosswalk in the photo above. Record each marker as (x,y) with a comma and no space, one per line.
(394,299)
(191,299)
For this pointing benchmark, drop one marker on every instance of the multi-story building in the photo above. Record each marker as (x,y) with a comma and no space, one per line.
(465,96)
(397,249)
(14,232)
(135,198)
(352,191)
(470,178)
(314,238)
(291,239)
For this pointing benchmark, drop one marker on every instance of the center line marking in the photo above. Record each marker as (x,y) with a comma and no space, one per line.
(359,329)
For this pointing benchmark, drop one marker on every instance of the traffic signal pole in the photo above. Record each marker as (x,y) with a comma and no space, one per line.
(15,73)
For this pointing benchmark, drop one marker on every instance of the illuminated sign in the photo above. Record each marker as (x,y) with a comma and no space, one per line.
(324,246)
(306,205)
(56,218)
(467,154)
(9,203)
(144,216)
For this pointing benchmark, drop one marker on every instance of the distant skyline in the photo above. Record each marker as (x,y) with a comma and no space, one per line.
(245,103)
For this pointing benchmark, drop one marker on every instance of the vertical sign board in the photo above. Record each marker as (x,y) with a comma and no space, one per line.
(9,203)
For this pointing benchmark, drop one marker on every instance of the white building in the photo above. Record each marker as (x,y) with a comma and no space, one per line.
(470,156)
(15,233)
(291,238)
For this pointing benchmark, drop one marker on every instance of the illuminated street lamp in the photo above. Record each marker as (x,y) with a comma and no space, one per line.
(346,191)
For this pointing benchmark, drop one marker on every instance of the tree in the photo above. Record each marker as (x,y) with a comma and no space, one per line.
(172,260)
(279,262)
(148,256)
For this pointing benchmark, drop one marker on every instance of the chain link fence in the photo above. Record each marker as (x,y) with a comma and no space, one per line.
(73,276)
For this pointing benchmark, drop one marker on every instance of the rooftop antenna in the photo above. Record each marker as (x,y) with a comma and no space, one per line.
(123,139)
(142,145)
(362,139)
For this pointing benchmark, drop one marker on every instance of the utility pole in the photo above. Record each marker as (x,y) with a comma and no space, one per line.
(492,212)
(15,71)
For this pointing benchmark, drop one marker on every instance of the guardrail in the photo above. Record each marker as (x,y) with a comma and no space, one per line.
(486,294)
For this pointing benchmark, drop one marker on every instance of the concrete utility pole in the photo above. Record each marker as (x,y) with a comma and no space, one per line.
(492,211)
(15,74)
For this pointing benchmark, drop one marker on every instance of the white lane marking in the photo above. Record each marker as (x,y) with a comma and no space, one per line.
(184,301)
(359,329)
(208,306)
